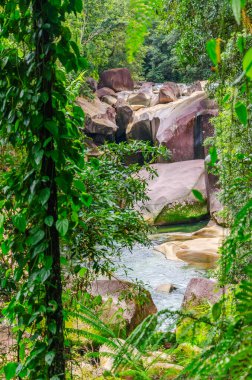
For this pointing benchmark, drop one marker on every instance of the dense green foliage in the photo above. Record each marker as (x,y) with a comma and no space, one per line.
(65,216)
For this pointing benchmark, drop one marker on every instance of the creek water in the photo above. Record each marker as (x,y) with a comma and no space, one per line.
(153,269)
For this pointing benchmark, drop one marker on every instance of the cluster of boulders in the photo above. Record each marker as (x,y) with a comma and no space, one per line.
(167,114)
(170,114)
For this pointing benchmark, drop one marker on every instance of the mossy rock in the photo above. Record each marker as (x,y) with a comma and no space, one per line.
(189,330)
(164,373)
(182,213)
(185,353)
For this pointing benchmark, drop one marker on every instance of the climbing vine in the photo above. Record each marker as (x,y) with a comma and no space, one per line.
(39,194)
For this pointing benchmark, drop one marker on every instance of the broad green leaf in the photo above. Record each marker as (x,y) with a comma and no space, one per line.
(241,112)
(74,217)
(78,112)
(63,261)
(38,156)
(82,272)
(64,181)
(5,248)
(236,6)
(52,128)
(213,155)
(44,195)
(44,274)
(216,310)
(52,327)
(1,220)
(78,4)
(95,162)
(56,3)
(10,370)
(44,97)
(211,47)
(49,357)
(198,195)
(19,222)
(49,221)
(36,238)
(86,199)
(79,185)
(40,248)
(241,43)
(48,261)
(62,226)
(247,63)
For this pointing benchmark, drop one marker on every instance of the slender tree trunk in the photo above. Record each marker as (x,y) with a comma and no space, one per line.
(54,314)
(54,287)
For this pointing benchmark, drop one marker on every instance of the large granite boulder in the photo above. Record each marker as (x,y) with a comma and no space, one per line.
(186,125)
(105,91)
(135,307)
(187,90)
(200,295)
(181,126)
(99,117)
(169,93)
(202,253)
(199,290)
(170,193)
(117,79)
(139,98)
(110,100)
(124,115)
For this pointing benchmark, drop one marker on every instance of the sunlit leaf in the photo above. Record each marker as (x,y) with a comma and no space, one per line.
(211,47)
(62,226)
(241,112)
(216,310)
(10,370)
(247,63)
(236,6)
(198,195)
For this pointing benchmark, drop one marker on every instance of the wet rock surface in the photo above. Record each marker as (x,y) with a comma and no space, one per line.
(199,249)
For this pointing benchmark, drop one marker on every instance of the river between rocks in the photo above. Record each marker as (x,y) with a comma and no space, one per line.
(153,269)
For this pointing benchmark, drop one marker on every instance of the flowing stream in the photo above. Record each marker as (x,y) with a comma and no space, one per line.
(153,269)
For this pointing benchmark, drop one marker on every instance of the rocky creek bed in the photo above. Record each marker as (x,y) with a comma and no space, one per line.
(149,266)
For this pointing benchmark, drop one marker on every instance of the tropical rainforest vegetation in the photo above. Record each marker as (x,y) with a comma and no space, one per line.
(65,217)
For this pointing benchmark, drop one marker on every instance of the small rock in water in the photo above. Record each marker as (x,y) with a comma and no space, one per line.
(165,288)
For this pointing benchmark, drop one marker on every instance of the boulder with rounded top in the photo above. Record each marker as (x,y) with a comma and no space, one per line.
(136,305)
(118,79)
(170,193)
(99,117)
